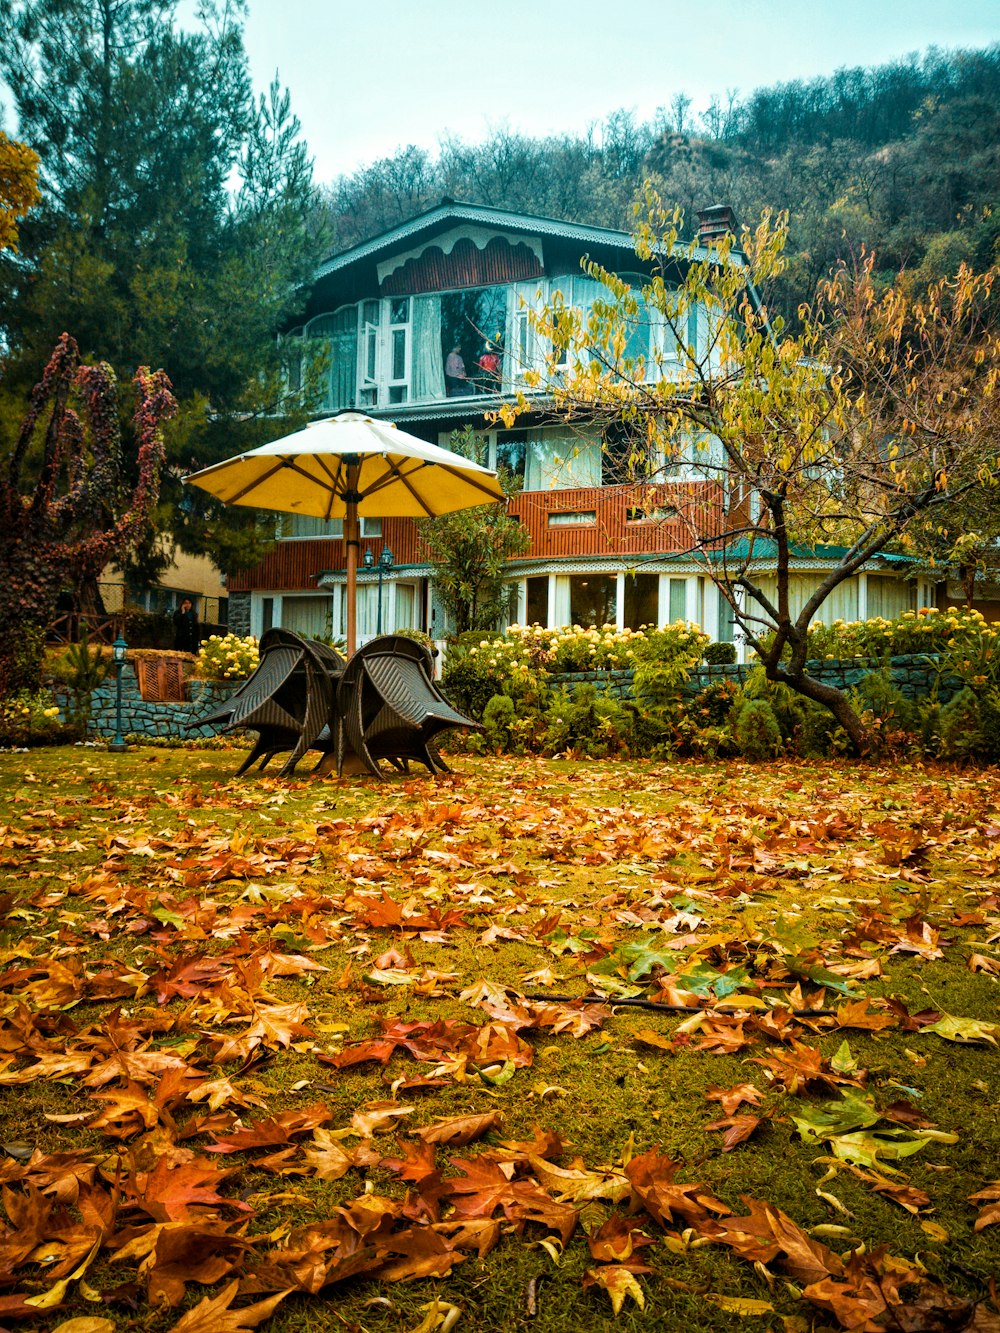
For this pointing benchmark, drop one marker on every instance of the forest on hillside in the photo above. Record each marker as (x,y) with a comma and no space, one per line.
(902,158)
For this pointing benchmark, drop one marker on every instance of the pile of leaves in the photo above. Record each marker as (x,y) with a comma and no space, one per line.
(543,1042)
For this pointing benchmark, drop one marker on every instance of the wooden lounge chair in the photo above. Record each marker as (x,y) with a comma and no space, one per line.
(389,707)
(288,700)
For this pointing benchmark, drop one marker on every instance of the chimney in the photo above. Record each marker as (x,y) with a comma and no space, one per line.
(714,222)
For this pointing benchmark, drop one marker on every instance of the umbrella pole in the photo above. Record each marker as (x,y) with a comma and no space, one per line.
(352,541)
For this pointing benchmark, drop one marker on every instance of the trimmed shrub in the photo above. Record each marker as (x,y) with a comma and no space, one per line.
(877,695)
(719,654)
(757,732)
(989,726)
(960,723)
(499,717)
(585,721)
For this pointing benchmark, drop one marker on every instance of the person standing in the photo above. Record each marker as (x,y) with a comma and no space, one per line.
(186,633)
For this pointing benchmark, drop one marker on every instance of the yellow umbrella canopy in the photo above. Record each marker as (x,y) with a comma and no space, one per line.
(349,467)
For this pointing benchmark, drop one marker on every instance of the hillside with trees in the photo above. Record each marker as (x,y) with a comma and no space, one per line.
(903,158)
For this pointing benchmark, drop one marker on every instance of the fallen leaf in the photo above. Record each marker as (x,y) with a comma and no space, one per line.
(456,1131)
(618,1282)
(215,1315)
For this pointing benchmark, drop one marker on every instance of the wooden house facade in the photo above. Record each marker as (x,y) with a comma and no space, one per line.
(428,325)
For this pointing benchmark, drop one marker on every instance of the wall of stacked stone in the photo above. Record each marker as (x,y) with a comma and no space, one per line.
(239,614)
(142,717)
(914,675)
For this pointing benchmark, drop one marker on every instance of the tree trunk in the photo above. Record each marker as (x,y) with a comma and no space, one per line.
(829,696)
(967,574)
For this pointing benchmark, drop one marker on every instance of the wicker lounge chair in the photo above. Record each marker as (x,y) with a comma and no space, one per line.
(388,707)
(288,700)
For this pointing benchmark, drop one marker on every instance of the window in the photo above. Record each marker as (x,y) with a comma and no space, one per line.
(368,349)
(642,593)
(298,527)
(561,458)
(335,336)
(307,616)
(678,600)
(573,518)
(472,332)
(398,369)
(650,513)
(511,453)
(407,616)
(536,611)
(593,599)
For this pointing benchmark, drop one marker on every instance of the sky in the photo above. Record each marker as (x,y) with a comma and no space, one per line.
(369,76)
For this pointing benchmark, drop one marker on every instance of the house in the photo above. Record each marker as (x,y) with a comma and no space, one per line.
(428,325)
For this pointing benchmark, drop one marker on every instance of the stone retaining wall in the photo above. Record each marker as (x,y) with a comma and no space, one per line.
(141,717)
(914,675)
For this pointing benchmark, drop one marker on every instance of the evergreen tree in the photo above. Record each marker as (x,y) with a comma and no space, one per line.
(176,227)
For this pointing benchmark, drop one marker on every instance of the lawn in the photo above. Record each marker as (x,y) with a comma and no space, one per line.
(298,1055)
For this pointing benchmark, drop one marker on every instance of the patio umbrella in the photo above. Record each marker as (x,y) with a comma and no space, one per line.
(351,467)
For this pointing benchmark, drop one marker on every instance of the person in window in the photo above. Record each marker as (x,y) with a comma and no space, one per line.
(489,367)
(456,381)
(186,632)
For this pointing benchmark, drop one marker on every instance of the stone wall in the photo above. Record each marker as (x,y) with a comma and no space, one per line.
(915,676)
(239,614)
(141,717)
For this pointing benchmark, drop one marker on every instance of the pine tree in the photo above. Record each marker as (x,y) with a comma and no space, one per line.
(175,228)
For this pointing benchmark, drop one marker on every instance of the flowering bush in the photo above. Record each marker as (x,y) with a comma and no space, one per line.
(31,717)
(491,665)
(966,645)
(227,657)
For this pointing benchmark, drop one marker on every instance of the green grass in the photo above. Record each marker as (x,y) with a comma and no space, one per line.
(159,854)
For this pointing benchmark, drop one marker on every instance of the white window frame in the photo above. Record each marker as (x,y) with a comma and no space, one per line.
(370,527)
(392,328)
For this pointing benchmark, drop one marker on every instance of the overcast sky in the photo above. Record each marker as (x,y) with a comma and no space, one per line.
(368,76)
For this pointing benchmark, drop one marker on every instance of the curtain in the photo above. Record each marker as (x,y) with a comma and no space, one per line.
(428,365)
(562,611)
(307,615)
(344,358)
(557,460)
(339,334)
(889,597)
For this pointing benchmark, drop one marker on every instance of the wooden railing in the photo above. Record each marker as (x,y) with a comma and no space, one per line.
(72,626)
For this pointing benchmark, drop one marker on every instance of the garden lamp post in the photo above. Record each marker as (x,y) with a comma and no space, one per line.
(385,562)
(119,650)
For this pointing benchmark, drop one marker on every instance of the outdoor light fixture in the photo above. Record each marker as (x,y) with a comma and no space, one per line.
(384,565)
(119,652)
(369,558)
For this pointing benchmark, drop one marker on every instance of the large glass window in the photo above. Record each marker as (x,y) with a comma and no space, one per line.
(307,615)
(512,453)
(642,605)
(473,325)
(297,526)
(678,600)
(561,458)
(536,610)
(593,599)
(337,336)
